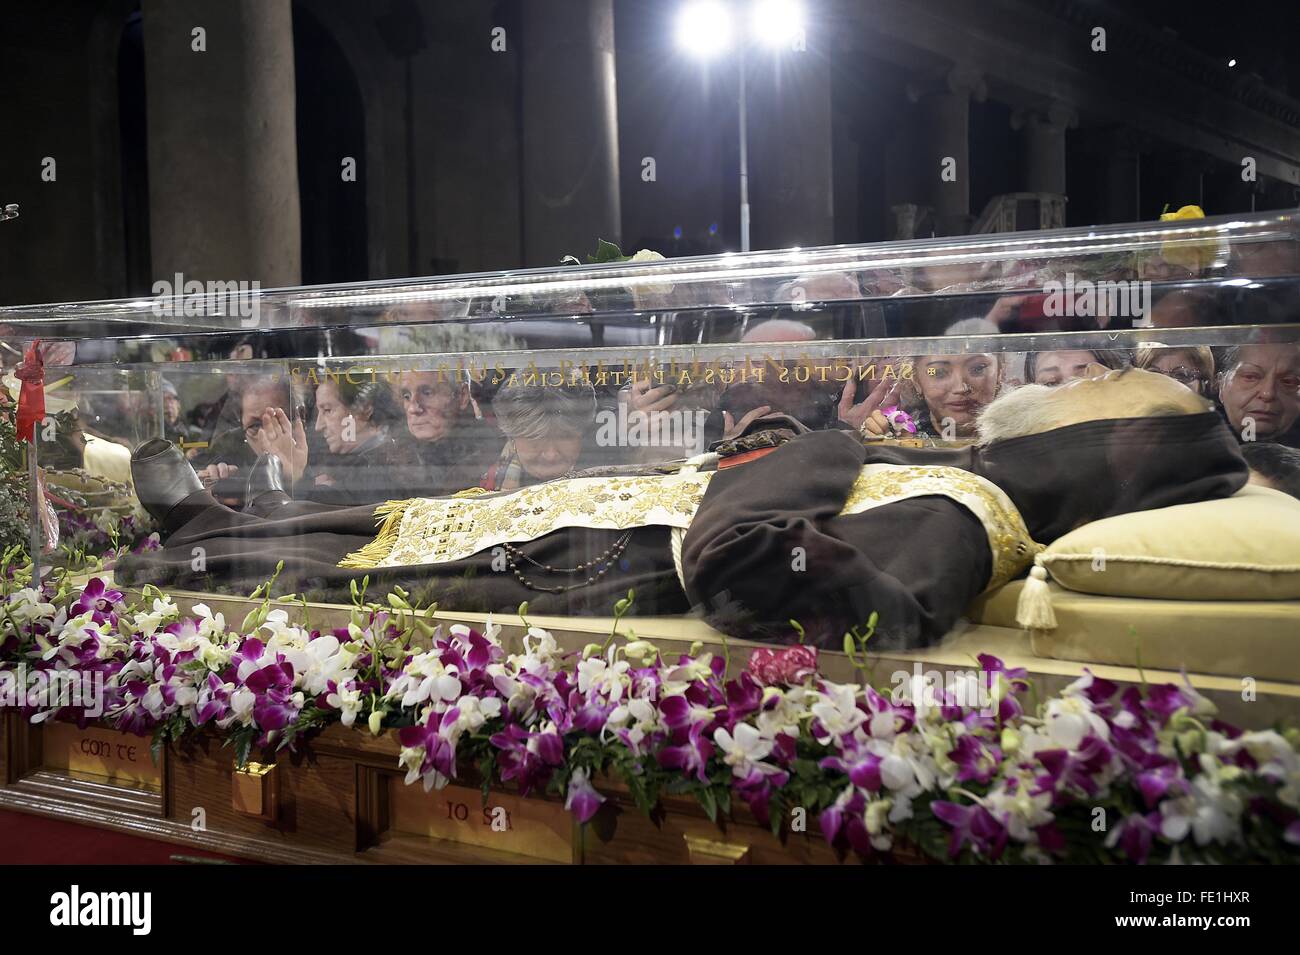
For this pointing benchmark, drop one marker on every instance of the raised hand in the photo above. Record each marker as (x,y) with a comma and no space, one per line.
(286,440)
(213,473)
(865,415)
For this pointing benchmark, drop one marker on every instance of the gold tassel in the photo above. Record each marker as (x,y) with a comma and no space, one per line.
(377,551)
(1034,608)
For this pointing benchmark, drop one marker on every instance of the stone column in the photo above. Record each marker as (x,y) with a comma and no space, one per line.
(570,129)
(945,109)
(1186,186)
(1117,155)
(1044,142)
(790,147)
(223,156)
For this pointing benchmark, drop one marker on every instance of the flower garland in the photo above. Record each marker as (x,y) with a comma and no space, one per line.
(1093,774)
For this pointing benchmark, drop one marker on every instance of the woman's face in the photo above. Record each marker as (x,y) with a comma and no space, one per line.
(1263,389)
(340,427)
(552,456)
(957,387)
(432,404)
(1057,367)
(1177,364)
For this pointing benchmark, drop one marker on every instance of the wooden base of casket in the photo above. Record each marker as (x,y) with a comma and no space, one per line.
(341,798)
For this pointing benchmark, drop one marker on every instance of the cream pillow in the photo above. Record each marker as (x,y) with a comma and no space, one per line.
(1244,547)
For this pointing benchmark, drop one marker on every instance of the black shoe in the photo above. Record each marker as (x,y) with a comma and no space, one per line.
(264,477)
(162,477)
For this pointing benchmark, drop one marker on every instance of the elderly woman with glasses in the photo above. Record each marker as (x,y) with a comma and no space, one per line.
(1192,365)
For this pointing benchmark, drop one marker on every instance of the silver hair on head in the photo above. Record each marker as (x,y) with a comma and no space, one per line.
(532,411)
(1029,409)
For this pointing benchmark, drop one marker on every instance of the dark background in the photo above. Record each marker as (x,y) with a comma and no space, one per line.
(225,164)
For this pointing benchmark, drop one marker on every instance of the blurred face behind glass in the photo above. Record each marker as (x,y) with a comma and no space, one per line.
(254,402)
(552,456)
(1055,367)
(432,404)
(171,408)
(332,418)
(242,352)
(1178,365)
(1264,388)
(957,387)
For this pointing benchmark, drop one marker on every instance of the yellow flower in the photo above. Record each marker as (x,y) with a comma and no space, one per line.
(1186,212)
(1191,255)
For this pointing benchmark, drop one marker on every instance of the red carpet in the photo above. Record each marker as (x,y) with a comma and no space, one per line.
(35,840)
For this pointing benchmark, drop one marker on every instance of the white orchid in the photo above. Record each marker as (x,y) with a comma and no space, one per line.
(411,758)
(1069,719)
(638,715)
(679,676)
(790,710)
(28,604)
(241,708)
(74,633)
(837,710)
(604,676)
(745,751)
(212,626)
(425,679)
(148,623)
(1209,814)
(471,713)
(318,663)
(1020,810)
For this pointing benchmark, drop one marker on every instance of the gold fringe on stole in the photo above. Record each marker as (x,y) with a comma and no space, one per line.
(377,551)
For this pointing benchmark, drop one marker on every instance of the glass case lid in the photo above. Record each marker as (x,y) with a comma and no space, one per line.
(1234,250)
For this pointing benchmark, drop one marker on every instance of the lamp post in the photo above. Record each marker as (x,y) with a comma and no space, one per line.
(705,29)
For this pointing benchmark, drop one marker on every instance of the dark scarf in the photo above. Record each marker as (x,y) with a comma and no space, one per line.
(1070,476)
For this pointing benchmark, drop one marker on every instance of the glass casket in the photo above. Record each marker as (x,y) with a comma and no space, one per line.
(842,448)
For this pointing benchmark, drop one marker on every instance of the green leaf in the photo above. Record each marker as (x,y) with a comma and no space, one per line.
(710,803)
(606,251)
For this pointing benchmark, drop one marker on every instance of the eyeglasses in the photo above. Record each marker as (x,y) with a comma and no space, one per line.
(1190,377)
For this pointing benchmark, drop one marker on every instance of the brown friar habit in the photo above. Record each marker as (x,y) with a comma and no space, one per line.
(768,544)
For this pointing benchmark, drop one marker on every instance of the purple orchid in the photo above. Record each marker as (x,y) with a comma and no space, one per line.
(274,707)
(691,754)
(975,759)
(98,598)
(528,759)
(971,824)
(581,797)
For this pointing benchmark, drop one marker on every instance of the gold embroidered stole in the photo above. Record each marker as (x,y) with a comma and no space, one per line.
(1009,541)
(438,530)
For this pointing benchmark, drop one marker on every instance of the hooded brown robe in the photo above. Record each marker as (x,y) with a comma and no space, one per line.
(771,540)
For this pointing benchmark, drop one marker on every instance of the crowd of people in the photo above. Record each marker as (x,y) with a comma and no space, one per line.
(348,437)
